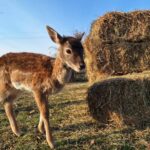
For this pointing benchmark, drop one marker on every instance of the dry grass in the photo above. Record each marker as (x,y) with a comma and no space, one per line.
(72,126)
(118,43)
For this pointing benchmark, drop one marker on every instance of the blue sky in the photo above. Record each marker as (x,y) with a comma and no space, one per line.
(22,22)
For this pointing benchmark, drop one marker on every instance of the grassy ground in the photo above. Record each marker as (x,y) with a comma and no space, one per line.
(73,128)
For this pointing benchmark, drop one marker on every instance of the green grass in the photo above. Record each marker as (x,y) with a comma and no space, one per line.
(73,128)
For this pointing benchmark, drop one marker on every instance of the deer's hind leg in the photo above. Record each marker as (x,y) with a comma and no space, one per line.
(8,95)
(11,117)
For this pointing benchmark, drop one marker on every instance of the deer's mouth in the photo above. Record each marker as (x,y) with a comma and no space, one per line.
(77,68)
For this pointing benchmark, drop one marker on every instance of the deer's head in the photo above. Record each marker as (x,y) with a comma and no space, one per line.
(70,49)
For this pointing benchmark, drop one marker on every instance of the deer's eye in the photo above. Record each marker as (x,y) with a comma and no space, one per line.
(68,51)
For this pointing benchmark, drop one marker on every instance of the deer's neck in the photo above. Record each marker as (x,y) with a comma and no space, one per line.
(61,73)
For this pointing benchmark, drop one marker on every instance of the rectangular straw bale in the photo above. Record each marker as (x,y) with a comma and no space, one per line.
(121,100)
(118,44)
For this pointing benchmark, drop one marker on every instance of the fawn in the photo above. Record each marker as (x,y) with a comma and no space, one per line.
(38,74)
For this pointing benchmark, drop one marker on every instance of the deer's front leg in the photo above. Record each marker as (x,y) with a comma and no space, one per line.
(42,104)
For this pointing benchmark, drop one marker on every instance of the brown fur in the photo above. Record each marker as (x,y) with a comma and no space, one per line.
(27,62)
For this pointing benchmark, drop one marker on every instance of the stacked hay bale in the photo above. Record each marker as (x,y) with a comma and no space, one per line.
(119,44)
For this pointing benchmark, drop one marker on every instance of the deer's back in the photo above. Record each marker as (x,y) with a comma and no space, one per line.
(27,62)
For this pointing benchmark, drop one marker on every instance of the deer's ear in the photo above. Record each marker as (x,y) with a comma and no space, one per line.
(56,37)
(80,36)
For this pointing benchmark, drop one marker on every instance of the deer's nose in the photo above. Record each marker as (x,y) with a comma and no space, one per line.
(82,66)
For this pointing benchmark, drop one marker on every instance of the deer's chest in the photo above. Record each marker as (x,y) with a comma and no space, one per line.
(64,76)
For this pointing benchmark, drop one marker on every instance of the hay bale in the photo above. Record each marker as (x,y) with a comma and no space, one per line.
(118,43)
(118,26)
(121,100)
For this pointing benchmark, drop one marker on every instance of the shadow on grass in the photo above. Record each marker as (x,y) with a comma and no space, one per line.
(25,109)
(68,103)
(80,141)
(97,126)
(81,126)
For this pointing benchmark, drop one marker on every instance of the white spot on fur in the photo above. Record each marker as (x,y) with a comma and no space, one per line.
(20,86)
